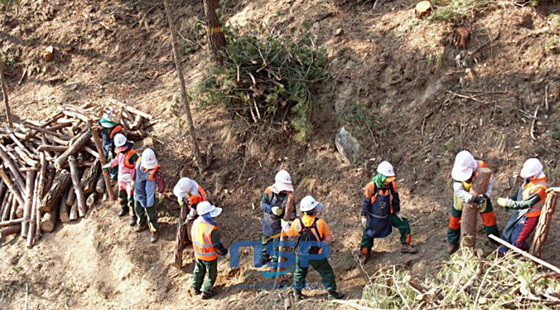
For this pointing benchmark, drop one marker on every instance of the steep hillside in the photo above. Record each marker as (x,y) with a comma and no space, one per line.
(406,93)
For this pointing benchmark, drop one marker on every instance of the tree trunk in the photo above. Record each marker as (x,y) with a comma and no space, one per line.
(89,179)
(216,37)
(288,209)
(80,197)
(470,211)
(48,222)
(5,95)
(74,148)
(63,210)
(196,150)
(60,184)
(10,230)
(103,161)
(543,227)
(180,238)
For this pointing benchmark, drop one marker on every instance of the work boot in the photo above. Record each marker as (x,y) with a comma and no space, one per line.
(141,228)
(196,291)
(207,295)
(154,237)
(132,221)
(298,295)
(364,258)
(407,248)
(335,295)
(452,248)
(122,213)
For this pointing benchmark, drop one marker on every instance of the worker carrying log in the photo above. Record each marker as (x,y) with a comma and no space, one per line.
(148,176)
(275,200)
(207,246)
(463,174)
(526,204)
(310,228)
(190,192)
(126,161)
(381,209)
(109,128)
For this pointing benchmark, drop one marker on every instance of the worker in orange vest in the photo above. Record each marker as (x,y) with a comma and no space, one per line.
(526,203)
(276,200)
(463,174)
(207,247)
(126,161)
(310,228)
(381,209)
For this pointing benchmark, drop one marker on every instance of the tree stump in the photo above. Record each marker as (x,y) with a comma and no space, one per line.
(470,210)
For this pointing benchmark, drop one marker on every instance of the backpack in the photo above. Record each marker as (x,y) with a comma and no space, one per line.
(306,234)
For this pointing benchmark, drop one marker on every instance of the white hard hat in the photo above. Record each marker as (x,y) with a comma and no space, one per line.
(204,207)
(386,169)
(283,182)
(149,160)
(531,167)
(120,140)
(183,187)
(309,203)
(283,176)
(463,167)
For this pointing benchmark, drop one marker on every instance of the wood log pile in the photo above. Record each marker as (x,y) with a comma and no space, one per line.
(50,170)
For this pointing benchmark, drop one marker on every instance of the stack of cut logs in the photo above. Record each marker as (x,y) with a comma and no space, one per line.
(51,170)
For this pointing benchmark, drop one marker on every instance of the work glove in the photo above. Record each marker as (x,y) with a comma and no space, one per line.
(285,225)
(132,185)
(181,201)
(106,166)
(276,211)
(401,217)
(505,202)
(191,215)
(364,222)
(160,197)
(478,200)
(553,190)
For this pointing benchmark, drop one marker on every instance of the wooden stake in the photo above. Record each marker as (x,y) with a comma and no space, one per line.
(543,227)
(30,181)
(13,169)
(470,211)
(15,192)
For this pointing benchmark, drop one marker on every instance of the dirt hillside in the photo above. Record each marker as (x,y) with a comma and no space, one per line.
(427,99)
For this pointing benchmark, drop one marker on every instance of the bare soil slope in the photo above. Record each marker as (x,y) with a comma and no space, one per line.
(427,105)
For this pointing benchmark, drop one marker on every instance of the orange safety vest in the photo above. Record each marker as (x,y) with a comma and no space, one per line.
(152,175)
(202,240)
(537,186)
(202,196)
(370,187)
